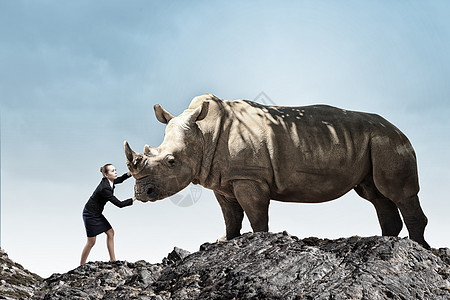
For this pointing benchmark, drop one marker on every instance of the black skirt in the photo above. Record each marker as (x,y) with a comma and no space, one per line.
(95,223)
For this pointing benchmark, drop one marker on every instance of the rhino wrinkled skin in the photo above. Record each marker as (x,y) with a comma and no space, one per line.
(248,154)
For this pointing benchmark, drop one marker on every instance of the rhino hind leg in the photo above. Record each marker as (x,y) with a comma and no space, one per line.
(395,177)
(415,219)
(387,212)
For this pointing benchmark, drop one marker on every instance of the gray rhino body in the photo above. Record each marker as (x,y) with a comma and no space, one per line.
(249,154)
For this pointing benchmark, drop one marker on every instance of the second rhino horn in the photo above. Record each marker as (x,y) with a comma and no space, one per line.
(150,151)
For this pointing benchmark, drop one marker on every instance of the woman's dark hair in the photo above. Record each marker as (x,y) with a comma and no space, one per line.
(104,169)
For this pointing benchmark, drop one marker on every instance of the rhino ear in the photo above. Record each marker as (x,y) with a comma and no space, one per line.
(200,112)
(161,114)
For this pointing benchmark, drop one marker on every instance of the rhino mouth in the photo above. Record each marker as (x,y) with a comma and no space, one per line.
(145,190)
(151,192)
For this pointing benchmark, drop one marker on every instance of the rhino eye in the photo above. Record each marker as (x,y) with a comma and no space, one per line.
(170,161)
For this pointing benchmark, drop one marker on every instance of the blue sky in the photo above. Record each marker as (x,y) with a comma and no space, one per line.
(77,78)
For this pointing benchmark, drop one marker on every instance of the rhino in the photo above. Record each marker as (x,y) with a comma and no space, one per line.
(249,154)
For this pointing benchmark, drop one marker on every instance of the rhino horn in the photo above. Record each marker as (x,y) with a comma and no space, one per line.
(129,153)
(161,114)
(150,151)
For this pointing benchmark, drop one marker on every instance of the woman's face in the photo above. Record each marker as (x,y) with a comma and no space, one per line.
(111,174)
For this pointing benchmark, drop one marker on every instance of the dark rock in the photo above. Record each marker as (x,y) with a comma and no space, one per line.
(175,256)
(102,280)
(268,266)
(279,266)
(15,281)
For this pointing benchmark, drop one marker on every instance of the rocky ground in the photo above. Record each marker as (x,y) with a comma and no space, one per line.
(15,281)
(265,266)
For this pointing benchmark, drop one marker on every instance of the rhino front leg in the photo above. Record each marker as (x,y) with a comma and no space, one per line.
(254,198)
(233,215)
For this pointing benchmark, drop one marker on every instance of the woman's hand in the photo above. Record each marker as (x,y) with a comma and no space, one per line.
(129,173)
(134,199)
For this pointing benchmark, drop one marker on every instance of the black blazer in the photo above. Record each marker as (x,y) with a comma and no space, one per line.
(104,193)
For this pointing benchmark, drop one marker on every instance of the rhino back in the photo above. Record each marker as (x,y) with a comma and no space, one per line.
(316,153)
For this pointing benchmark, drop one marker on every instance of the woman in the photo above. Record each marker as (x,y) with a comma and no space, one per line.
(94,221)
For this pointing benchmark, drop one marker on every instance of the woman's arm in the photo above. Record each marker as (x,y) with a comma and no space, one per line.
(122,178)
(109,196)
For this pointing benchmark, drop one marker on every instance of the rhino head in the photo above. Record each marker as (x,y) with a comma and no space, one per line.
(164,171)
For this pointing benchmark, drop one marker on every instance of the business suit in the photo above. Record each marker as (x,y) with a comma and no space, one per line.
(94,221)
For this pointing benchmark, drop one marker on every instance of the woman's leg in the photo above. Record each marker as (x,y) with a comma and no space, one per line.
(110,244)
(87,249)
